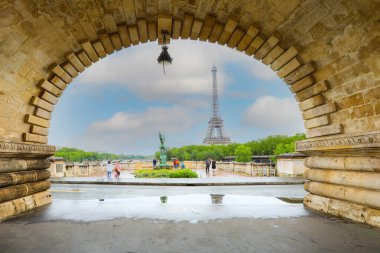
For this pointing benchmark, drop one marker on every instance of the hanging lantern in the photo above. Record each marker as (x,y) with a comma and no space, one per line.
(164,57)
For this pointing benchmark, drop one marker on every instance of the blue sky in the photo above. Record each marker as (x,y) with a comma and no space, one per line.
(120,103)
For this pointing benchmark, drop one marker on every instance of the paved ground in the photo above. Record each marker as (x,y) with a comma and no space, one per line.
(132,219)
(203,181)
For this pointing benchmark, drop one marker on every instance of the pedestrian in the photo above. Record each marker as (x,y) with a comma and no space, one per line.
(117,170)
(182,165)
(109,169)
(213,164)
(208,163)
(154,163)
(176,163)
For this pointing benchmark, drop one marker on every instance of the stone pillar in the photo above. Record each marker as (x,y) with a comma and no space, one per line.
(24,178)
(344,174)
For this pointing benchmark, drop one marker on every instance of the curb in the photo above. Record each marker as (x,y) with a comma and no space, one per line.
(179,183)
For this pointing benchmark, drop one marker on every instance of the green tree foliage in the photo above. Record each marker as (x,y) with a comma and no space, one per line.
(243,153)
(266,146)
(77,155)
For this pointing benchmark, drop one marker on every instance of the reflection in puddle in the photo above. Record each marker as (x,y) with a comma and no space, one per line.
(191,208)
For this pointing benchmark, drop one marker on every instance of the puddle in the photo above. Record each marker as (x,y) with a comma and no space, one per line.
(192,208)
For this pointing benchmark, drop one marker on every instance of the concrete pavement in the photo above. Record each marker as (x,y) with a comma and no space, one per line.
(211,181)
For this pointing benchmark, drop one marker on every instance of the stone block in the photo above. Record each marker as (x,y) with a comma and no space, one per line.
(302,84)
(177,25)
(39,130)
(227,31)
(196,29)
(372,95)
(208,24)
(351,101)
(152,31)
(247,38)
(124,35)
(133,34)
(164,23)
(70,69)
(36,101)
(58,82)
(82,56)
(116,42)
(61,73)
(186,26)
(300,73)
(311,102)
(31,119)
(77,64)
(43,113)
(215,33)
(284,58)
(317,122)
(269,44)
(28,137)
(48,97)
(143,29)
(324,130)
(312,91)
(319,111)
(273,55)
(46,85)
(107,44)
(289,67)
(340,116)
(257,42)
(99,49)
(235,38)
(90,51)
(363,111)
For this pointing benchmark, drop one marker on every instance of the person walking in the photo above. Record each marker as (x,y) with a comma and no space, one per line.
(109,168)
(213,164)
(208,163)
(176,163)
(117,170)
(154,163)
(182,165)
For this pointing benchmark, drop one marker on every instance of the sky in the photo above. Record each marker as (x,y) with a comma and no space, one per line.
(120,103)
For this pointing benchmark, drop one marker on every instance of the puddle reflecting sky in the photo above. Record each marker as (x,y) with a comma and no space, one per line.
(192,208)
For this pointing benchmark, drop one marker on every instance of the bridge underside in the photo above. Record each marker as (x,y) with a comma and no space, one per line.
(326,52)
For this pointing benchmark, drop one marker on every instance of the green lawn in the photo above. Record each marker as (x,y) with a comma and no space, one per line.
(167,173)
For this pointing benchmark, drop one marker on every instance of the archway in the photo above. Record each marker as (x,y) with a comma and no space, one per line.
(327,53)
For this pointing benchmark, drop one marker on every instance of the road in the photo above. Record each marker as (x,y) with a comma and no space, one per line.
(108,218)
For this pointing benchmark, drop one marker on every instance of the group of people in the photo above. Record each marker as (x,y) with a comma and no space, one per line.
(210,162)
(176,164)
(111,168)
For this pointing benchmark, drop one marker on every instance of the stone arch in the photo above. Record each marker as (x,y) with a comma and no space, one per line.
(268,49)
(326,51)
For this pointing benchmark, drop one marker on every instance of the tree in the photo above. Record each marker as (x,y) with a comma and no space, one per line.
(243,153)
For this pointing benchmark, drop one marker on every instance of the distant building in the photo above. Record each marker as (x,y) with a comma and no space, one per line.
(57,166)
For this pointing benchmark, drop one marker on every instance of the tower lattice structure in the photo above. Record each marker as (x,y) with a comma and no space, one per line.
(215,132)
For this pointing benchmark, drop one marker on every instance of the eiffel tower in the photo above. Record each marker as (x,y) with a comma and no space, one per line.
(215,132)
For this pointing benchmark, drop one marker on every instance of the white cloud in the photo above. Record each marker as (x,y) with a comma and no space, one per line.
(279,114)
(262,71)
(136,132)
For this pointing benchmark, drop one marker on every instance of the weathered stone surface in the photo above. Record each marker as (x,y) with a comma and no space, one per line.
(367,163)
(196,29)
(312,91)
(317,122)
(22,190)
(48,97)
(15,178)
(284,58)
(356,195)
(227,31)
(36,101)
(311,102)
(271,42)
(257,42)
(302,84)
(37,121)
(25,204)
(367,180)
(99,49)
(107,44)
(215,33)
(133,34)
(142,25)
(324,130)
(235,38)
(300,73)
(76,62)
(152,31)
(42,113)
(177,25)
(61,73)
(186,26)
(39,130)
(46,85)
(69,69)
(19,164)
(273,55)
(124,35)
(247,39)
(320,110)
(90,51)
(116,41)
(29,137)
(289,67)
(208,24)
